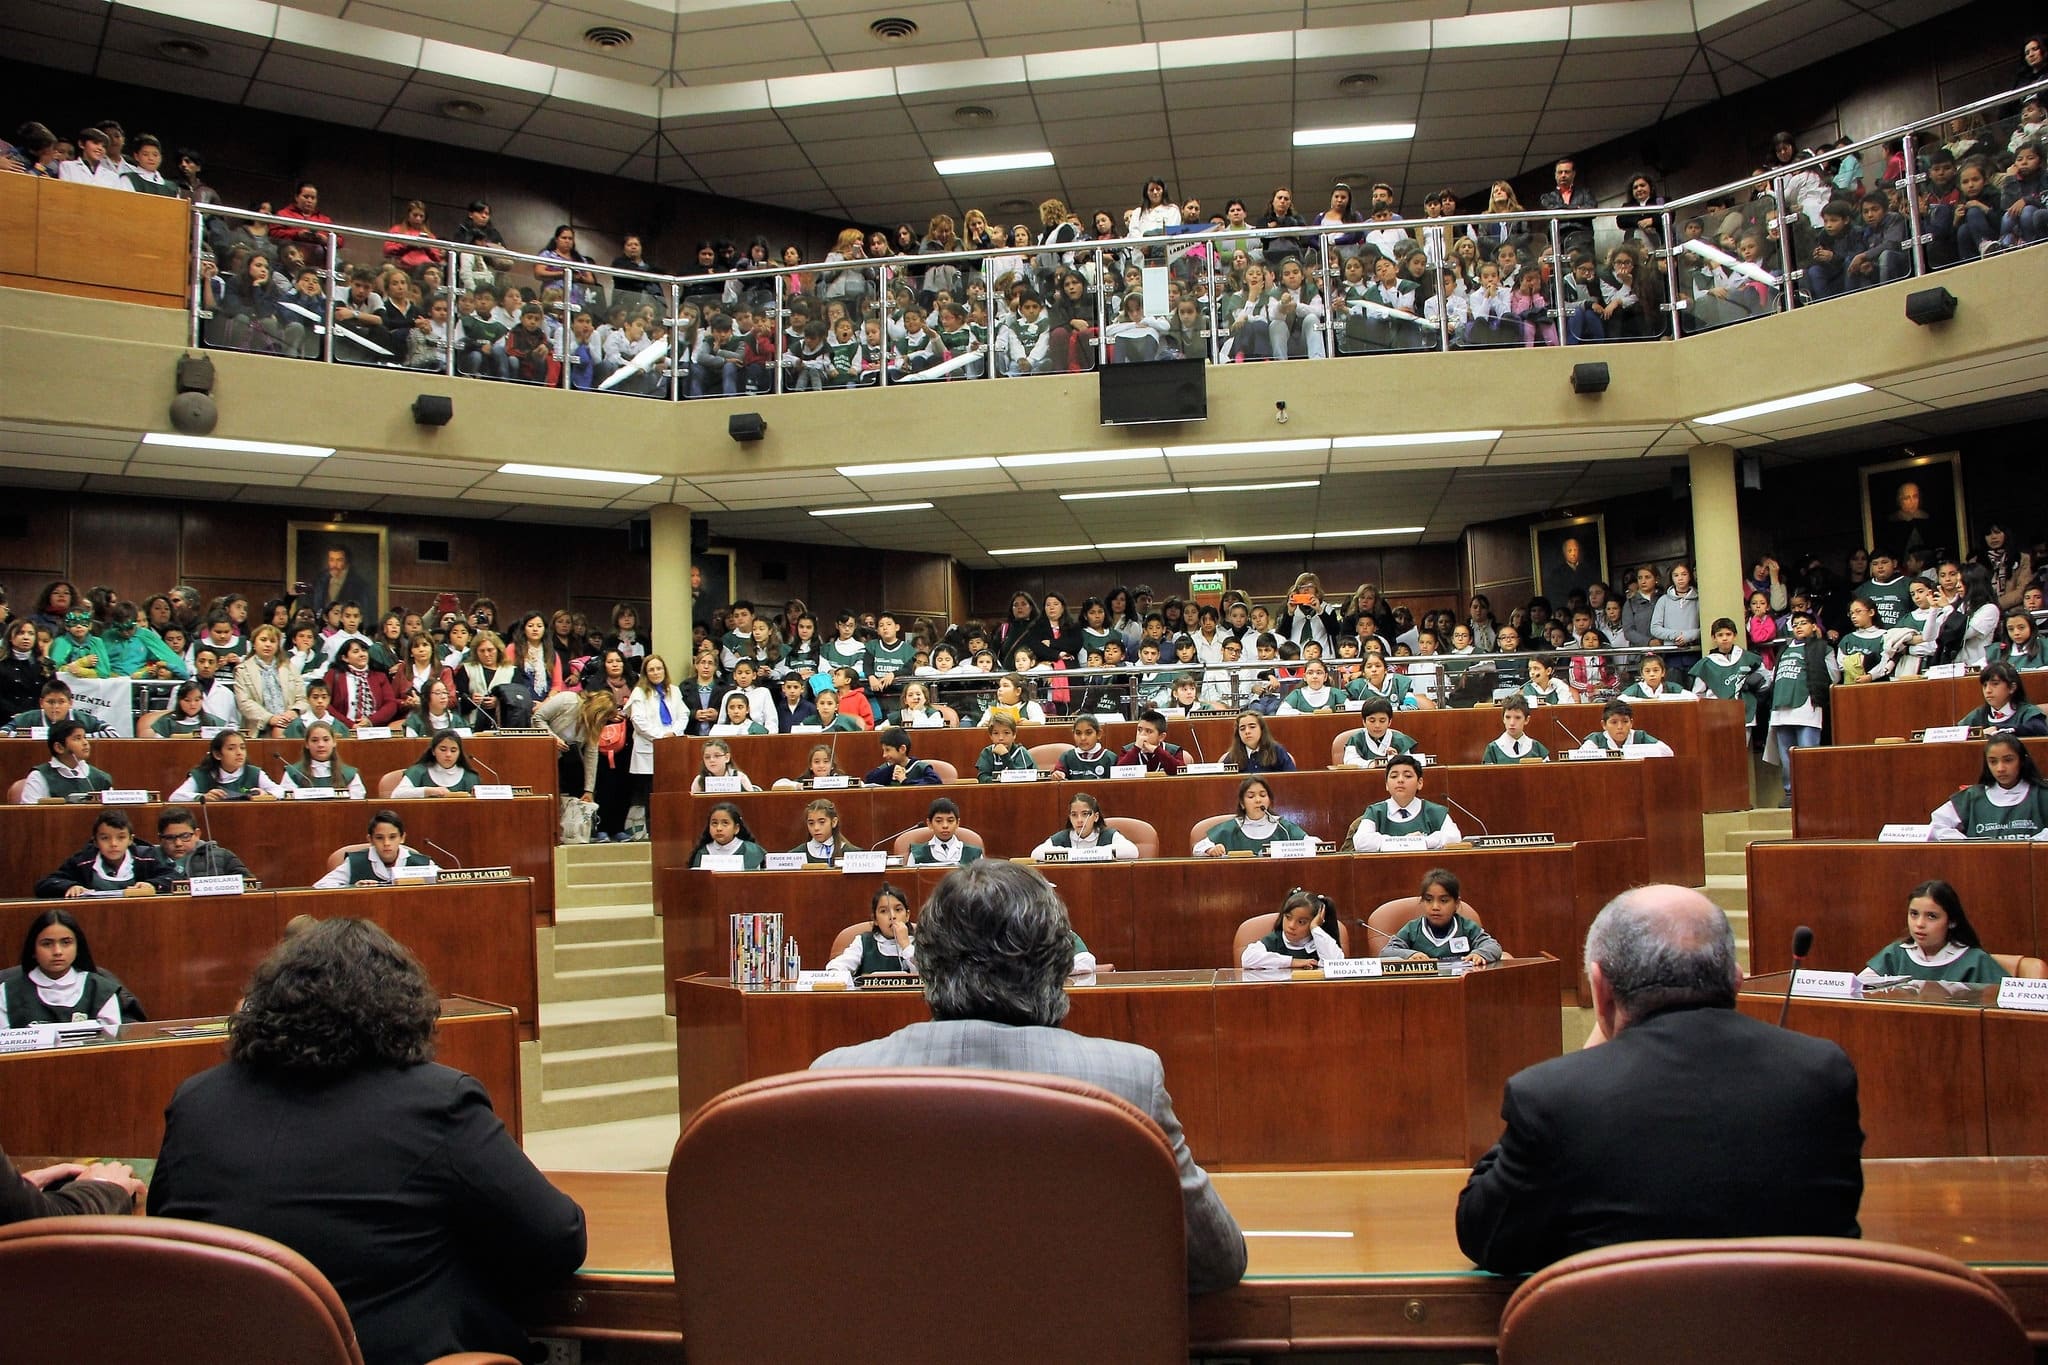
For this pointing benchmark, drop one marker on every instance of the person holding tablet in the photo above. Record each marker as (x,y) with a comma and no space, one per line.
(1086,829)
(1252,828)
(1940,942)
(69,772)
(1404,812)
(2007,802)
(378,864)
(2006,710)
(1298,938)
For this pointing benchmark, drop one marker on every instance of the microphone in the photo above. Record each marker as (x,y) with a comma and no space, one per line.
(1384,935)
(1195,733)
(469,757)
(877,845)
(1577,741)
(453,861)
(1463,811)
(1802,944)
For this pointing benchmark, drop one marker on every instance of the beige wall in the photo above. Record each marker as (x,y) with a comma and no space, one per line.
(100,364)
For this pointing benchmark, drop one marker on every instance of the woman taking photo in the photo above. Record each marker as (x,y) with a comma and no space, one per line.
(390,1173)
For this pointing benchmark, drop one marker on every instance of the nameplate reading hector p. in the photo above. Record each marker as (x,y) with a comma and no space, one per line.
(891,981)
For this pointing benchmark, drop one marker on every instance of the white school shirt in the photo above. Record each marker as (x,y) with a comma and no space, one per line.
(61,994)
(35,786)
(188,790)
(1949,826)
(439,776)
(1368,838)
(382,871)
(1120,849)
(1627,748)
(318,769)
(1253,829)
(1257,955)
(1516,748)
(848,961)
(945,852)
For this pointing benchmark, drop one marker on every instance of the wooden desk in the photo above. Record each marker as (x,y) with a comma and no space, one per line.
(108,1097)
(189,958)
(59,237)
(159,765)
(1617,799)
(1413,1074)
(1852,894)
(1395,1281)
(286,843)
(1157,914)
(1923,1069)
(1710,732)
(1853,791)
(1893,710)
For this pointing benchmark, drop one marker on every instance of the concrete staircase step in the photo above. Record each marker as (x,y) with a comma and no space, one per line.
(1737,840)
(583,855)
(603,984)
(606,895)
(1726,863)
(578,1105)
(611,953)
(603,923)
(607,874)
(1730,893)
(569,1024)
(588,1066)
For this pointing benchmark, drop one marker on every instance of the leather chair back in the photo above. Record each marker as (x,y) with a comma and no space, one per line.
(388,783)
(2029,968)
(14,789)
(948,772)
(340,855)
(1047,756)
(922,834)
(1139,832)
(1338,744)
(145,720)
(848,935)
(174,1292)
(1817,1300)
(1389,916)
(775,1183)
(1200,829)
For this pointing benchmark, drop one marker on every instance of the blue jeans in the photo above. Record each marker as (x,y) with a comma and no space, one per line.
(1786,738)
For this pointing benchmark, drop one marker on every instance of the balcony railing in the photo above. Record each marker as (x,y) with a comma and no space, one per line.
(1669,271)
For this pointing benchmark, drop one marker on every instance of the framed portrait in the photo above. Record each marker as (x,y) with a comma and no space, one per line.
(1915,506)
(1568,555)
(339,561)
(720,570)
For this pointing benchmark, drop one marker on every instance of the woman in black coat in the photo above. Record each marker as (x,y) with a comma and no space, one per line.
(23,669)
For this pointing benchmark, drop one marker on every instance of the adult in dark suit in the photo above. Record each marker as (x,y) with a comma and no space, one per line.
(342,583)
(1689,1120)
(994,950)
(331,1130)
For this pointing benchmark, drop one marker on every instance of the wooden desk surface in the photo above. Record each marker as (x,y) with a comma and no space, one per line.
(159,765)
(286,843)
(1853,791)
(109,1095)
(1394,1278)
(187,958)
(1412,1072)
(1710,732)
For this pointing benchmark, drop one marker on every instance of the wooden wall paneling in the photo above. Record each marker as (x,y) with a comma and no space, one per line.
(217,540)
(18,202)
(916,584)
(519,576)
(35,544)
(2015,1058)
(1498,553)
(130,545)
(463,571)
(145,249)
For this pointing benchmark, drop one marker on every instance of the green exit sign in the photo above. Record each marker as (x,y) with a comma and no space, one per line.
(1199,583)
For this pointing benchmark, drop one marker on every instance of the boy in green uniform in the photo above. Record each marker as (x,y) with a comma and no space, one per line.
(1513,745)
(1887,593)
(1618,735)
(68,772)
(53,704)
(898,768)
(945,848)
(1729,671)
(1003,752)
(1377,740)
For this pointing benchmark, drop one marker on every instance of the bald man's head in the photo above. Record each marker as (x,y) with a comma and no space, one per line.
(1663,947)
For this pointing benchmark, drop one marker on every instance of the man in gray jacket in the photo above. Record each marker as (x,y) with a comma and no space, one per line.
(994,949)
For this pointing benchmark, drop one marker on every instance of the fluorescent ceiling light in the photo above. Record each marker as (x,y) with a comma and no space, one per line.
(1246,448)
(557,471)
(1223,539)
(1009,161)
(859,471)
(1412,438)
(1374,531)
(869,509)
(1797,400)
(1204,488)
(1358,132)
(1066,457)
(165,438)
(1048,549)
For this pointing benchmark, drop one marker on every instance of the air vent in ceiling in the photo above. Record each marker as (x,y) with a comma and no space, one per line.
(974,115)
(184,50)
(466,110)
(607,37)
(893,29)
(1358,83)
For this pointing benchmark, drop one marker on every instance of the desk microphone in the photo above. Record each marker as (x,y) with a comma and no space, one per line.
(1577,741)
(1462,810)
(206,823)
(1802,944)
(453,861)
(877,845)
(1385,937)
(1195,733)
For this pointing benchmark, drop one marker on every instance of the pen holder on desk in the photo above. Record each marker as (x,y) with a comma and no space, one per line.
(756,945)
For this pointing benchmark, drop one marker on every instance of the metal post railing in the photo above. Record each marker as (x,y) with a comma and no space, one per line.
(199,299)
(1675,301)
(1101,292)
(781,325)
(1912,184)
(882,312)
(1558,270)
(1329,310)
(331,274)
(1784,240)
(675,341)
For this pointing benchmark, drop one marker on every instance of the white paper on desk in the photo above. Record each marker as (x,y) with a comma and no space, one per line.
(491,791)
(314,793)
(412,873)
(124,796)
(1202,769)
(1826,985)
(869,861)
(1090,855)
(226,884)
(373,732)
(209,731)
(33,1038)
(1945,734)
(1938,671)
(1018,775)
(805,730)
(1291,848)
(805,980)
(1405,843)
(839,782)
(723,862)
(1123,770)
(728,783)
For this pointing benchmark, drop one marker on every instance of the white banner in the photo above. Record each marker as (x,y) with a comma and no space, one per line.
(110,700)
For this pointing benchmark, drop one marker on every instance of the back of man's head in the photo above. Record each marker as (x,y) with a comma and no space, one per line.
(1661,948)
(993,943)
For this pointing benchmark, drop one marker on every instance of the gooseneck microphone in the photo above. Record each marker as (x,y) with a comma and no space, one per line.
(453,861)
(890,839)
(1802,944)
(1462,810)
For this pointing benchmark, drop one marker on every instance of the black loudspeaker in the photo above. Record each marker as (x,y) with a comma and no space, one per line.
(1155,391)
(700,535)
(1752,471)
(1925,306)
(1681,483)
(1590,377)
(430,411)
(640,536)
(195,374)
(746,426)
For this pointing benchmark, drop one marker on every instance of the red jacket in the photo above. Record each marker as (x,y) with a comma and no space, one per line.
(383,701)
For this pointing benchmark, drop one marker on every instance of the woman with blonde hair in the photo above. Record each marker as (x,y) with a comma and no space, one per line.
(1500,198)
(269,692)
